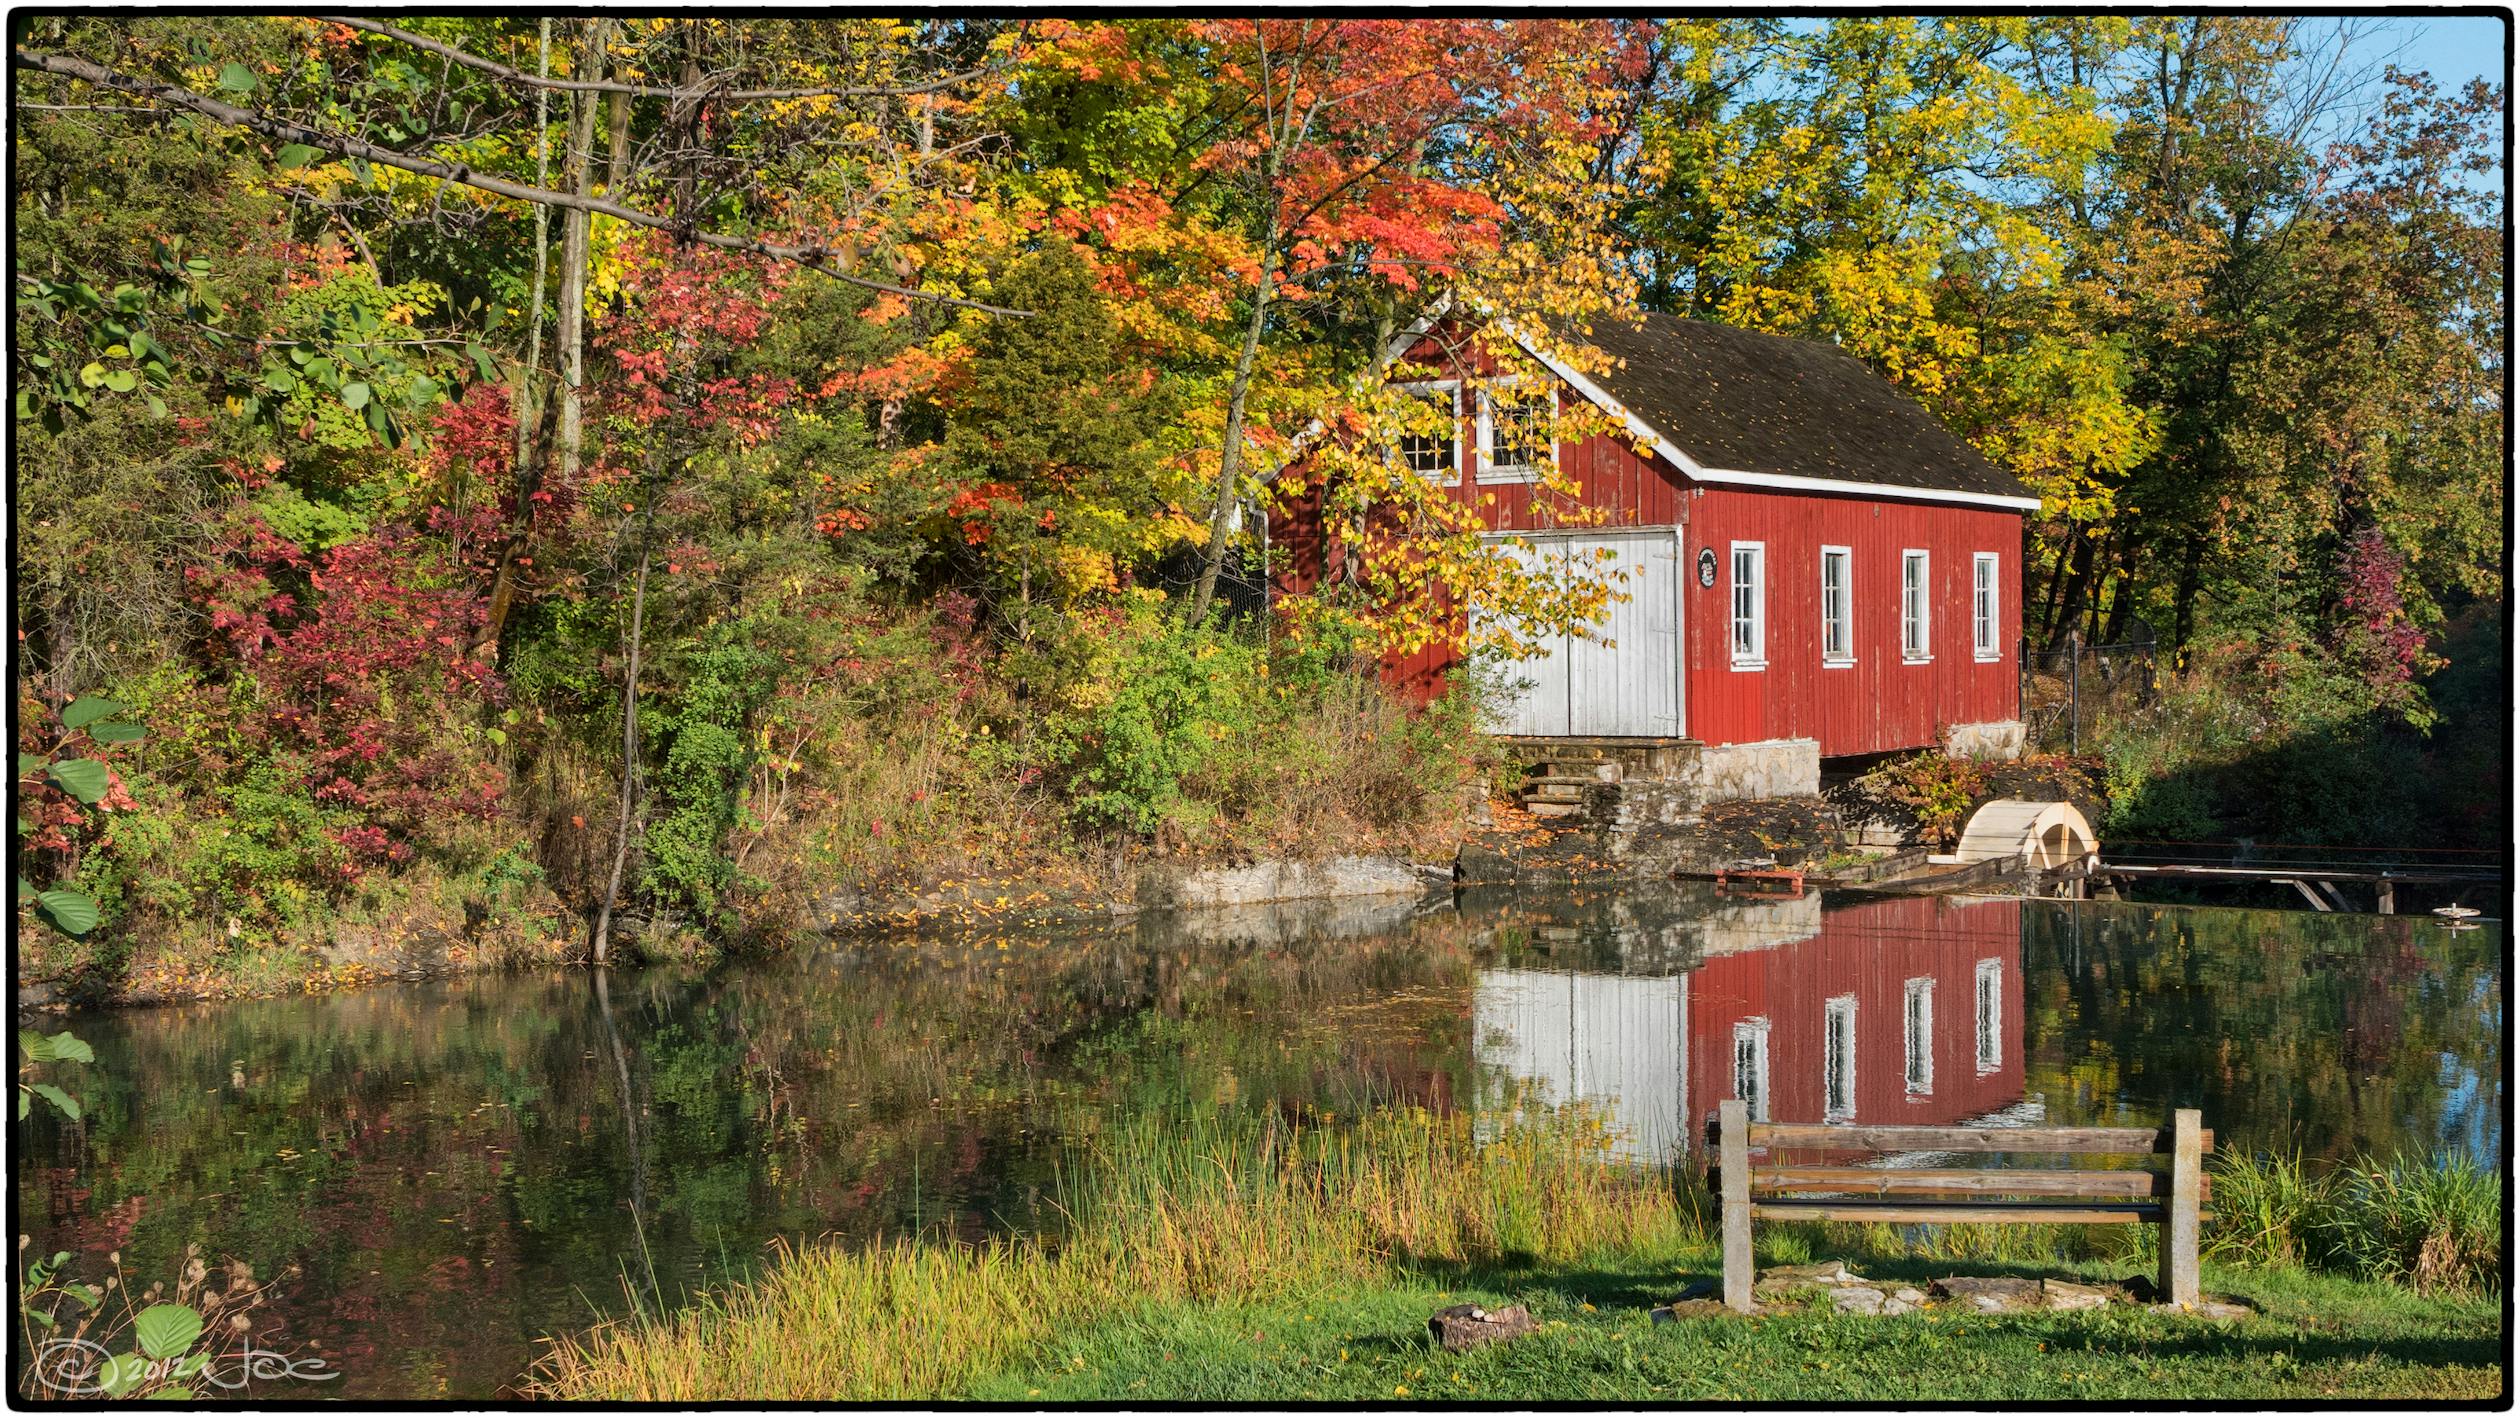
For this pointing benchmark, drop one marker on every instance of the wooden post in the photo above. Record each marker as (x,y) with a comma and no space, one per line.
(1733,1151)
(2178,1225)
(2073,649)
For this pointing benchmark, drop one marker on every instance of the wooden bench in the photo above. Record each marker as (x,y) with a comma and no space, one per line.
(2172,1197)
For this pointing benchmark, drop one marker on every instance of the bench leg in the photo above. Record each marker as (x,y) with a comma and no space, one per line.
(1733,1133)
(2180,1218)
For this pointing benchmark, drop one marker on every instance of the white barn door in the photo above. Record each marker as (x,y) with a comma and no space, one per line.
(1622,678)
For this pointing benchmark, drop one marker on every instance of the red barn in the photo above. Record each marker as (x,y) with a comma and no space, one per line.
(1816,566)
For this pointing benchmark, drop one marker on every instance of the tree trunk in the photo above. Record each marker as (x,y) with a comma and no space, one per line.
(629,759)
(578,166)
(531,406)
(2079,555)
(617,147)
(2183,606)
(2122,594)
(629,1096)
(1229,462)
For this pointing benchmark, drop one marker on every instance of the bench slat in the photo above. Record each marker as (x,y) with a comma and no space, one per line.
(1859,1138)
(1931,1213)
(1926,1181)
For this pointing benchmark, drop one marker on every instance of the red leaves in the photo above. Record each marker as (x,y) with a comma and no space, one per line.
(359,681)
(972,505)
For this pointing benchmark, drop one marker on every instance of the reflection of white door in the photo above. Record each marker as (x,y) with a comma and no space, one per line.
(1620,678)
(1614,1042)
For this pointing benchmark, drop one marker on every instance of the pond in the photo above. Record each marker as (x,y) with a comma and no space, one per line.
(462,1168)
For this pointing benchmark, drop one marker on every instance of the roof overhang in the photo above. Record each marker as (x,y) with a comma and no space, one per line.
(1788,482)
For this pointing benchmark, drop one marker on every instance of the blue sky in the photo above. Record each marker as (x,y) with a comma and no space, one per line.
(2454,49)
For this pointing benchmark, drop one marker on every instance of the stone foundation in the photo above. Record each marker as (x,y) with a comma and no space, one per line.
(1773,768)
(2002,739)
(1167,890)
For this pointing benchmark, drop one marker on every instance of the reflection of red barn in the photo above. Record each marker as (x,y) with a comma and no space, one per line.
(1900,1010)
(1833,1028)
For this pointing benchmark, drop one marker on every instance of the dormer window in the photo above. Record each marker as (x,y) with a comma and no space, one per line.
(1435,453)
(1517,430)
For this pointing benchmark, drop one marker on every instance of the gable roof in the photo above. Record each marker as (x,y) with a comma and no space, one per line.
(1737,407)
(1728,405)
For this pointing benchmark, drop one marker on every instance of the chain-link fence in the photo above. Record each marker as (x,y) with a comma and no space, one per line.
(2071,692)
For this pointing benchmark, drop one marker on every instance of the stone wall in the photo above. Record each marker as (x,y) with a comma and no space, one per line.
(1774,768)
(1161,889)
(2001,739)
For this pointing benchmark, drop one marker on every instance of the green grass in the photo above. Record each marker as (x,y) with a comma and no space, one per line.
(1249,1260)
(2319,1337)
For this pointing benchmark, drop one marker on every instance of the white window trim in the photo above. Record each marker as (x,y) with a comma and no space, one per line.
(1755,1031)
(1422,387)
(1920,989)
(1989,998)
(1846,659)
(1756,659)
(1842,1006)
(1489,472)
(1987,568)
(1924,606)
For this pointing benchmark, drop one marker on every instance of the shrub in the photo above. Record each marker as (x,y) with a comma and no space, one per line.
(1173,694)
(701,741)
(1936,789)
(2435,1224)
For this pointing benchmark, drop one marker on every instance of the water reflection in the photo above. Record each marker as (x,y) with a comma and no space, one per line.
(462,1168)
(1903,1010)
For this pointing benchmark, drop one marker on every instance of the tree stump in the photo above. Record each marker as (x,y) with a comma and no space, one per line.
(1460,1327)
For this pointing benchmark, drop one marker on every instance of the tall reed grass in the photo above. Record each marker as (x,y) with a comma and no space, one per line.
(1162,1210)
(2431,1223)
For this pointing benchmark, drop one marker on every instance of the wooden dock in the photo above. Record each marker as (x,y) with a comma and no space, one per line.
(2318,885)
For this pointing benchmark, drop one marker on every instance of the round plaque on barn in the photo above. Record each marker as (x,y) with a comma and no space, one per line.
(1706,566)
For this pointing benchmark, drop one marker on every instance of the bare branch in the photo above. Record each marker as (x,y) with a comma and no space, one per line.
(817,258)
(602,86)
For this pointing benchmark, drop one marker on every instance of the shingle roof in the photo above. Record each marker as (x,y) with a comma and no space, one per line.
(1748,402)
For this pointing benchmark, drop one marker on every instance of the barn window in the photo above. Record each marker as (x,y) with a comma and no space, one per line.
(1749,605)
(1837,606)
(1517,431)
(1436,456)
(1750,1067)
(1916,610)
(1990,1015)
(1985,619)
(1920,1036)
(1838,1061)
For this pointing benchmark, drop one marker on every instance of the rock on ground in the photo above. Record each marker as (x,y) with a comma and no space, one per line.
(1460,1327)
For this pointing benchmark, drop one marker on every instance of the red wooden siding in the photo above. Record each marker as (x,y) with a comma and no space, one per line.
(1870,951)
(1878,704)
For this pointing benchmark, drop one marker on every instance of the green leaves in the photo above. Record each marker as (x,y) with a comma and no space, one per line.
(34,1049)
(74,912)
(296,155)
(68,1105)
(64,1047)
(121,1374)
(87,709)
(236,79)
(82,778)
(165,1331)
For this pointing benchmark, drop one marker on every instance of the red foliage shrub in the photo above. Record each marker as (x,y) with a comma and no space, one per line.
(355,664)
